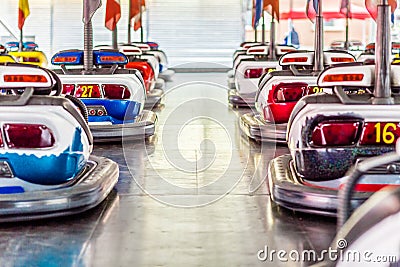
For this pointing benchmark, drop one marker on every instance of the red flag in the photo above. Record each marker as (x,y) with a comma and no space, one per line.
(135,13)
(23,12)
(372,7)
(272,7)
(113,14)
(311,9)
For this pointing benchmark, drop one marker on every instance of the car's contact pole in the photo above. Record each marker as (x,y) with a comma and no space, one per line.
(129,21)
(272,54)
(87,39)
(382,92)
(346,42)
(263,28)
(319,40)
(115,38)
(141,21)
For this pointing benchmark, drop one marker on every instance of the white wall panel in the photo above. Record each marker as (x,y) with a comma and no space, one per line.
(188,30)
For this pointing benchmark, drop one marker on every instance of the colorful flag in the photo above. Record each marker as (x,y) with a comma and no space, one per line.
(23,12)
(345,8)
(372,7)
(113,14)
(272,7)
(257,11)
(93,5)
(135,13)
(311,8)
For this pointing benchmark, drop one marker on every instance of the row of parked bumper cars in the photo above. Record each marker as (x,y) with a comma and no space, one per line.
(28,54)
(249,67)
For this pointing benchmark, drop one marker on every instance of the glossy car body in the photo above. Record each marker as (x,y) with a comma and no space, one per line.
(237,55)
(28,55)
(45,146)
(368,56)
(327,134)
(115,99)
(134,54)
(250,69)
(279,92)
(152,48)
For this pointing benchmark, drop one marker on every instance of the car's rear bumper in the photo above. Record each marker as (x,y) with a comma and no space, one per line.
(144,126)
(288,191)
(86,191)
(254,127)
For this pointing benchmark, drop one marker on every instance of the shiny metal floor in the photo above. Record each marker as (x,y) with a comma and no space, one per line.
(192,196)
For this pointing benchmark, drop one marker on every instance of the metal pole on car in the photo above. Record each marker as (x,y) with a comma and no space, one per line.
(141,22)
(115,38)
(263,28)
(88,38)
(272,54)
(319,40)
(21,36)
(382,92)
(129,21)
(346,42)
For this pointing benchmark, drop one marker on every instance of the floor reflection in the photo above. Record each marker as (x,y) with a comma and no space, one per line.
(181,200)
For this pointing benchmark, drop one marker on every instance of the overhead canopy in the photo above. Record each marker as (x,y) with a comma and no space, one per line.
(356,12)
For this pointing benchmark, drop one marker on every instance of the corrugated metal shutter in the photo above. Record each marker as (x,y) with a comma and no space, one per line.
(188,30)
(196,30)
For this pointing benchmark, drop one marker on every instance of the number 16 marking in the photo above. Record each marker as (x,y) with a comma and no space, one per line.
(387,136)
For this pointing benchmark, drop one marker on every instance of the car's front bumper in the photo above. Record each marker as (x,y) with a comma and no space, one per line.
(154,98)
(231,82)
(241,100)
(289,191)
(166,75)
(144,126)
(87,190)
(159,84)
(255,128)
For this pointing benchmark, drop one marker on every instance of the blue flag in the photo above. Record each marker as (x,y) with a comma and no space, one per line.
(257,11)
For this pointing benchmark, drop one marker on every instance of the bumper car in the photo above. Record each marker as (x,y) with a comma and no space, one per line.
(28,55)
(165,73)
(4,57)
(134,54)
(368,56)
(153,61)
(240,52)
(360,229)
(355,47)
(114,96)
(279,92)
(249,70)
(147,68)
(45,146)
(328,133)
